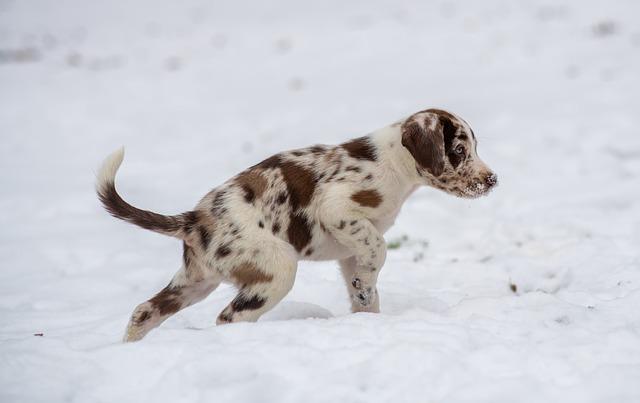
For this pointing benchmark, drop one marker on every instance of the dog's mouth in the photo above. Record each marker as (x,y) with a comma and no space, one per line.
(472,189)
(477,189)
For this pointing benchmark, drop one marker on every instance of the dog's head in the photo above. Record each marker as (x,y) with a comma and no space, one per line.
(445,152)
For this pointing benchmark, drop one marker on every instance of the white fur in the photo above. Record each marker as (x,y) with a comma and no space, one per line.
(107,172)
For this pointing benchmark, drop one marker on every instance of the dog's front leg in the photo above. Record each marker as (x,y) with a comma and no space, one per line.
(352,230)
(361,270)
(361,285)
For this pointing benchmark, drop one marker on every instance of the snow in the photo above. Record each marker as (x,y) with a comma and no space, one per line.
(528,295)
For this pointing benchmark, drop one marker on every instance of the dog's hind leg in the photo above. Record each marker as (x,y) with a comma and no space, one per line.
(262,285)
(171,299)
(187,287)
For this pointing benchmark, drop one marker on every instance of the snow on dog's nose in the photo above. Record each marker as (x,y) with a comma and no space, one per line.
(482,185)
(491,180)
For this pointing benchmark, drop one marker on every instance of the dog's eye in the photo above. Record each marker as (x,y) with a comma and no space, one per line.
(459,150)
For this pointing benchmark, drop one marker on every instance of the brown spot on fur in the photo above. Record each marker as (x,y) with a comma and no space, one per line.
(361,149)
(448,131)
(249,194)
(167,301)
(275,228)
(223,251)
(353,169)
(271,162)
(455,159)
(248,274)
(317,149)
(299,231)
(450,125)
(225,317)
(333,175)
(244,303)
(217,206)
(190,220)
(282,198)
(309,252)
(143,316)
(342,224)
(425,145)
(253,184)
(367,198)
(300,183)
(205,237)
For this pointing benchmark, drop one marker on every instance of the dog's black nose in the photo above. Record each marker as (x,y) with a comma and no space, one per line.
(491,180)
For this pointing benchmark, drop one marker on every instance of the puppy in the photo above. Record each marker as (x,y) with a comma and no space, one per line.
(316,203)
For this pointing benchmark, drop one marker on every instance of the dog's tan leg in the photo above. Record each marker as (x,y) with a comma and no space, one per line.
(361,285)
(179,294)
(262,286)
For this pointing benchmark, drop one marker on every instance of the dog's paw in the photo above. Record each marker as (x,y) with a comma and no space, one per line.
(364,297)
(133,333)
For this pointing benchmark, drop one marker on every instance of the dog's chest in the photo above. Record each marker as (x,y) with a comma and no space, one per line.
(326,247)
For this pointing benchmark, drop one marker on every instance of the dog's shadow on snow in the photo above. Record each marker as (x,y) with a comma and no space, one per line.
(288,310)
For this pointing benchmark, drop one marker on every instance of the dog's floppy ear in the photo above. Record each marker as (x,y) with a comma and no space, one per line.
(426,144)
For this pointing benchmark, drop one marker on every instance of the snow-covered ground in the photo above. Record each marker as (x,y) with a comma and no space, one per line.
(529,295)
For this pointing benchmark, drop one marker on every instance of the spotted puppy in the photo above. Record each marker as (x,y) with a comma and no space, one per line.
(316,203)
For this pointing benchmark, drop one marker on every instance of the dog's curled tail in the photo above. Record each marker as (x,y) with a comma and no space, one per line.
(177,226)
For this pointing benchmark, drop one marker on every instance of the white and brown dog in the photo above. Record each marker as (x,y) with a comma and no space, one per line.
(316,203)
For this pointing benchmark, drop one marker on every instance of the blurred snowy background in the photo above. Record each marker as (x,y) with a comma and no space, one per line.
(528,295)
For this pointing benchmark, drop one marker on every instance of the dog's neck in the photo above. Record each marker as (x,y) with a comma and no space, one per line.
(395,158)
